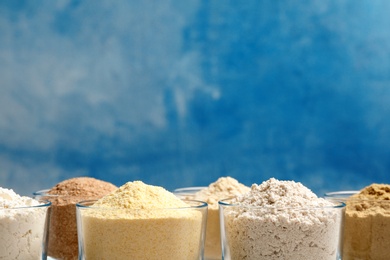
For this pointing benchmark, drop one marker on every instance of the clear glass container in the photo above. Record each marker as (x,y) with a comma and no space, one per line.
(293,233)
(63,239)
(366,233)
(23,231)
(212,248)
(164,233)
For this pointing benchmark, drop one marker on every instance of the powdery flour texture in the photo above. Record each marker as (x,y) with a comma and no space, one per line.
(224,187)
(282,220)
(22,225)
(143,222)
(367,224)
(63,241)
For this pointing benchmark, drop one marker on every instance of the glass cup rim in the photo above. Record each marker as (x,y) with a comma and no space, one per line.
(346,195)
(44,193)
(340,194)
(43,204)
(189,189)
(202,205)
(223,203)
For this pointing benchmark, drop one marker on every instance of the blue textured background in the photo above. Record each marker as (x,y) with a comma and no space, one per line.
(179,93)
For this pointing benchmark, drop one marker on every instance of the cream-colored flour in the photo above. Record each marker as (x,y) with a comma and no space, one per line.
(282,220)
(367,224)
(141,221)
(21,229)
(224,187)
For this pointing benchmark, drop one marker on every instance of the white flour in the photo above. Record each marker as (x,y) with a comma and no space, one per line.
(282,220)
(21,229)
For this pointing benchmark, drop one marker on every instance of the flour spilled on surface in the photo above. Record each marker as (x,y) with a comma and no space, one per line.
(282,220)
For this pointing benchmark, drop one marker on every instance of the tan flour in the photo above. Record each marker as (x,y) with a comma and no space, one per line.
(224,187)
(281,220)
(367,224)
(63,242)
(141,221)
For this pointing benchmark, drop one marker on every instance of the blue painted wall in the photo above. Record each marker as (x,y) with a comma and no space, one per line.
(179,93)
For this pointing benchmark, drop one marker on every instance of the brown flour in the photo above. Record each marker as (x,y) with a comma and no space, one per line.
(63,243)
(367,224)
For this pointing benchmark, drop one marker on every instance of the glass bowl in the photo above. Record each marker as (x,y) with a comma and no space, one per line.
(165,233)
(23,231)
(250,232)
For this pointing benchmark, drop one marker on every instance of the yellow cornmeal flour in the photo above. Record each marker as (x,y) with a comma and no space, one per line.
(367,224)
(137,195)
(140,221)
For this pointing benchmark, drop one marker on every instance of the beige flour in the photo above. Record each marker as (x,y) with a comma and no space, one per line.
(63,242)
(224,187)
(367,224)
(142,221)
(281,220)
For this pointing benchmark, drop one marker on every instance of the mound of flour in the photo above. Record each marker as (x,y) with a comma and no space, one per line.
(141,221)
(282,220)
(9,199)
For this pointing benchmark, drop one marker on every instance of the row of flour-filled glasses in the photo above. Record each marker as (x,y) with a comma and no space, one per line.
(232,230)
